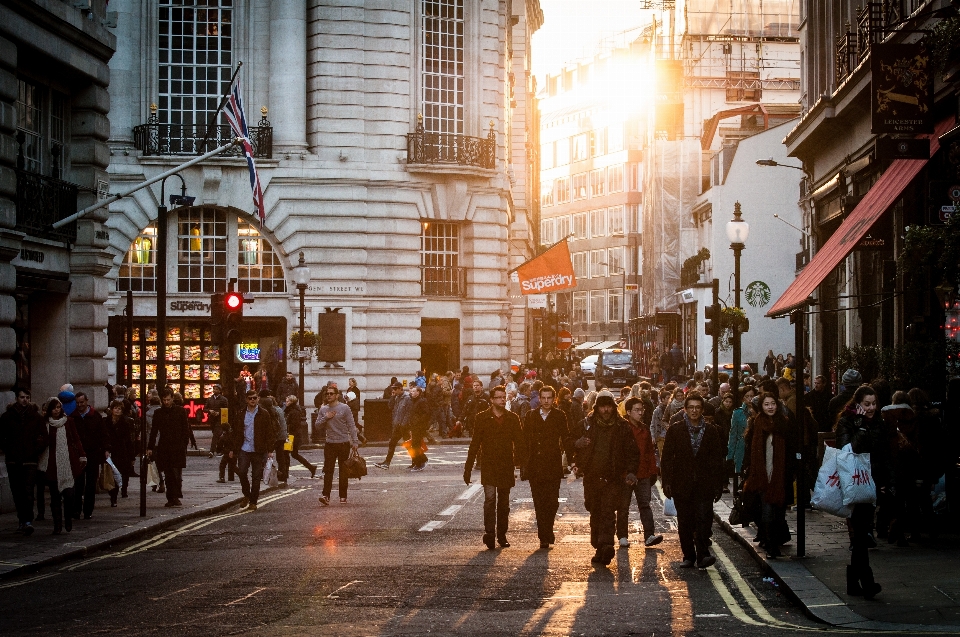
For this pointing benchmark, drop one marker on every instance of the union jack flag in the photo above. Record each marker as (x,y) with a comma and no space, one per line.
(238,124)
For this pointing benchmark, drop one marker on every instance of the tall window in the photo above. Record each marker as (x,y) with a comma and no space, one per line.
(546,192)
(615,220)
(40,118)
(138,270)
(598,306)
(579,307)
(563,190)
(615,259)
(598,184)
(563,151)
(547,228)
(633,222)
(614,304)
(580,147)
(442,66)
(580,186)
(614,138)
(196,59)
(580,264)
(596,258)
(615,175)
(202,250)
(259,268)
(563,227)
(580,225)
(598,142)
(598,222)
(440,245)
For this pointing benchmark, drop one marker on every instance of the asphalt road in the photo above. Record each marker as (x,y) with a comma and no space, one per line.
(402,557)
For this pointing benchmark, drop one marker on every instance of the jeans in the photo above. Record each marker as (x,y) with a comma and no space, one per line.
(85,489)
(296,456)
(255,461)
(398,433)
(496,510)
(694,524)
(333,453)
(546,494)
(283,462)
(642,492)
(227,462)
(601,499)
(61,506)
(22,479)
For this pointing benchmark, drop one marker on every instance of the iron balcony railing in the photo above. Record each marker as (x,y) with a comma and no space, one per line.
(43,200)
(443,281)
(447,148)
(847,57)
(154,138)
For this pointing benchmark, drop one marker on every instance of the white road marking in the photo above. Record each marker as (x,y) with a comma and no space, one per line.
(432,525)
(471,491)
(245,597)
(451,510)
(334,595)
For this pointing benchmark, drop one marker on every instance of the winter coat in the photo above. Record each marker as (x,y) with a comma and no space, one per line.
(287,388)
(171,427)
(546,441)
(23,434)
(623,451)
(400,410)
(868,436)
(471,407)
(74,446)
(647,468)
(265,431)
(296,421)
(500,443)
(687,475)
(736,444)
(419,416)
(93,434)
(122,434)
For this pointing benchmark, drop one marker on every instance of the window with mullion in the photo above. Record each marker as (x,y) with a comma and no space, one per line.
(202,250)
(441,59)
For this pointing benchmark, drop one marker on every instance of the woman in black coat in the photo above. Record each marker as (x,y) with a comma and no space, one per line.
(861,426)
(122,431)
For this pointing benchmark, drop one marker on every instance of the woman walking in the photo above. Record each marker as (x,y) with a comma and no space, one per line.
(122,432)
(861,427)
(297,425)
(61,462)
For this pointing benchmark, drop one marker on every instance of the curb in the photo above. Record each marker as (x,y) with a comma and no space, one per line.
(797,582)
(63,553)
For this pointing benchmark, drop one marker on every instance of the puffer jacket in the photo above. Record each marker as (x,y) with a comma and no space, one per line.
(867,436)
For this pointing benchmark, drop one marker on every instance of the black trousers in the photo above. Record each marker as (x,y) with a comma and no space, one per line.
(22,482)
(85,489)
(496,510)
(862,525)
(174,477)
(283,461)
(227,462)
(546,494)
(398,433)
(62,506)
(694,524)
(601,498)
(42,483)
(333,453)
(296,455)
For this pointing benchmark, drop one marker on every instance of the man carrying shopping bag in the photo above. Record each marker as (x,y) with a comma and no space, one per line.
(254,436)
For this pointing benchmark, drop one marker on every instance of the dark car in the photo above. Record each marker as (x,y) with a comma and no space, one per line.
(616,368)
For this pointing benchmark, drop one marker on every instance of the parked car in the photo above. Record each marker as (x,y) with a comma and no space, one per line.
(589,366)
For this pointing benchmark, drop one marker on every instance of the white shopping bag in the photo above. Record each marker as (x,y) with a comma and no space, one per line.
(153,474)
(827,496)
(270,473)
(669,507)
(856,481)
(117,478)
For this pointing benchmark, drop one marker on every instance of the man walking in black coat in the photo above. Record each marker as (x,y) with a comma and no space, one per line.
(607,456)
(171,426)
(546,434)
(96,443)
(692,474)
(498,436)
(23,437)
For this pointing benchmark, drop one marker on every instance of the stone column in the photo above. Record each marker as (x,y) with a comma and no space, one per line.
(9,237)
(89,260)
(125,72)
(288,72)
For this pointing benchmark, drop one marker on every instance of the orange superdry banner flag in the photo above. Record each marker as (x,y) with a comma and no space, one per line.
(549,272)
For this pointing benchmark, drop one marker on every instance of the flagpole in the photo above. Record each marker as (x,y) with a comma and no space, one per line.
(223,100)
(550,247)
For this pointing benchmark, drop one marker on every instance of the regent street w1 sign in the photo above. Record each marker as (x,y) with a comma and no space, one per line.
(901,88)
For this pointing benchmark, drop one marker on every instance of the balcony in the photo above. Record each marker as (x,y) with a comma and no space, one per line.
(443,281)
(847,57)
(156,139)
(452,150)
(43,200)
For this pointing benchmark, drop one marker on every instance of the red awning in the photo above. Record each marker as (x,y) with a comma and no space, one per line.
(882,195)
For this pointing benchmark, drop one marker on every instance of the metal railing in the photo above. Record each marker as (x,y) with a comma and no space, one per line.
(154,138)
(43,200)
(443,281)
(847,57)
(447,148)
(870,27)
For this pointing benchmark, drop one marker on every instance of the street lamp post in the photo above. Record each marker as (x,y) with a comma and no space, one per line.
(737,231)
(301,276)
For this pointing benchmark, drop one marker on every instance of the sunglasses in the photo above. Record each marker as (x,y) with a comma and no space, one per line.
(253,397)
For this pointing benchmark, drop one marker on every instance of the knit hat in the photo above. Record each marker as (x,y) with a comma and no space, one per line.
(579,393)
(851,378)
(603,397)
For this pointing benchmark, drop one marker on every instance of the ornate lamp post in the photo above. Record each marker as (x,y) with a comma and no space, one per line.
(301,276)
(737,231)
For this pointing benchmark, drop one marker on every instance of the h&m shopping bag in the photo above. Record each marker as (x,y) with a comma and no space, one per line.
(827,495)
(856,481)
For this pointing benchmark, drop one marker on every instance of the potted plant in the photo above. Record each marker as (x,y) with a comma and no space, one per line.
(309,342)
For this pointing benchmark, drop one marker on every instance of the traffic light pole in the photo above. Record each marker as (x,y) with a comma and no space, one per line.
(715,370)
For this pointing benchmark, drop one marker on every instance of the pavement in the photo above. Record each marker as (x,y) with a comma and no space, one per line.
(921,583)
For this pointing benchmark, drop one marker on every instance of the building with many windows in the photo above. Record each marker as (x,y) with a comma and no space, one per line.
(388,140)
(590,191)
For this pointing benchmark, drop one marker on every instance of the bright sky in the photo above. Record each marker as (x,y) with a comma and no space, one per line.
(573,29)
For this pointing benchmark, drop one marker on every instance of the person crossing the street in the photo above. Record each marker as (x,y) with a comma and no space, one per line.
(546,434)
(253,439)
(340,441)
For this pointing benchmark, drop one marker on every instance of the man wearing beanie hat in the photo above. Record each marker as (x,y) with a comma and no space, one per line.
(607,454)
(850,380)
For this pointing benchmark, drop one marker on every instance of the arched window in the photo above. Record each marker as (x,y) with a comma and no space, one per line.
(258,266)
(138,269)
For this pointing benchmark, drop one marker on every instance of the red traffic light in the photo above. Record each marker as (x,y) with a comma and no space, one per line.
(233,301)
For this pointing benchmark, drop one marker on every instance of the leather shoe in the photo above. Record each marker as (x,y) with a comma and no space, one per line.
(488,540)
(705,561)
(502,541)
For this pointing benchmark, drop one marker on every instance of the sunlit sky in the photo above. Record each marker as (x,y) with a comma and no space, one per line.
(573,29)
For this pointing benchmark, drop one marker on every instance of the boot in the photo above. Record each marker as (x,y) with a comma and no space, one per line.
(853,582)
(869,586)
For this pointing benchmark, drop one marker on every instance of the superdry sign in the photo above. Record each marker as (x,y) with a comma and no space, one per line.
(549,272)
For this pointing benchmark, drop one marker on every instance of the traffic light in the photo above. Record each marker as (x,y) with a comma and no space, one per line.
(216,318)
(549,340)
(232,308)
(711,323)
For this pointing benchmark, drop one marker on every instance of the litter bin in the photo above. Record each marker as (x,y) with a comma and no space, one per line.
(377,425)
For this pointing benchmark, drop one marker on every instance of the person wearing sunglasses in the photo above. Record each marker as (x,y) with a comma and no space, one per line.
(254,436)
(341,439)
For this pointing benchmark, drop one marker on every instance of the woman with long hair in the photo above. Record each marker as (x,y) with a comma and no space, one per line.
(61,462)
(769,470)
(861,426)
(122,432)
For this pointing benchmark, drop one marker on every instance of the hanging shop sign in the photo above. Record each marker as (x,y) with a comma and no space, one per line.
(902,88)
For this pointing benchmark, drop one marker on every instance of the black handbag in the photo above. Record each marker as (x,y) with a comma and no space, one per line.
(355,466)
(745,509)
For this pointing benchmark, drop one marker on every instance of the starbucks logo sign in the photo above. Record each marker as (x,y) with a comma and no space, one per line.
(758,294)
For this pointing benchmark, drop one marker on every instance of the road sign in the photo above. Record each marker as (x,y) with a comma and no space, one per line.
(564,339)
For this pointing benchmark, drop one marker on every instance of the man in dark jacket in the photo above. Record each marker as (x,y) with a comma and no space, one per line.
(692,474)
(170,451)
(419,424)
(607,456)
(646,474)
(254,436)
(400,419)
(818,399)
(850,381)
(546,434)
(474,404)
(499,438)
(96,442)
(22,439)
(287,387)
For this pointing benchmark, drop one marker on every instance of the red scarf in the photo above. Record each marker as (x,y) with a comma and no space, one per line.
(772,490)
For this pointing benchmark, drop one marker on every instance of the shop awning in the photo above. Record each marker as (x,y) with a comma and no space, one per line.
(607,345)
(881,196)
(587,345)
